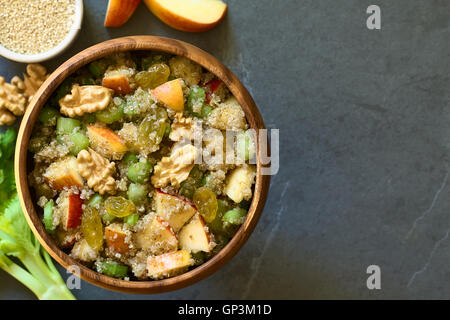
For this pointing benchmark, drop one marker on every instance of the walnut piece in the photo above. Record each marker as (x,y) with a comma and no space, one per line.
(32,80)
(175,169)
(11,99)
(6,117)
(85,99)
(15,96)
(182,128)
(98,171)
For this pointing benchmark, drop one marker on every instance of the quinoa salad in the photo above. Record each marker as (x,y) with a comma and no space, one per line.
(142,165)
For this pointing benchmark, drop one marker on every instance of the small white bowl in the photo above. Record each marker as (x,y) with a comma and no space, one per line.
(63,45)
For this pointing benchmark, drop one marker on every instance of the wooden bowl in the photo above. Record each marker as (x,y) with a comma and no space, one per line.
(81,59)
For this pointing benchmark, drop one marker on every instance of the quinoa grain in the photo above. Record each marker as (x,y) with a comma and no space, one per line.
(34,26)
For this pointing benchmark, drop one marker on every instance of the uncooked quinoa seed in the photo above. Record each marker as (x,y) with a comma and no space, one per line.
(34,26)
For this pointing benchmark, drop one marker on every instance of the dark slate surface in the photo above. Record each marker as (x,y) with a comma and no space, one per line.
(364,140)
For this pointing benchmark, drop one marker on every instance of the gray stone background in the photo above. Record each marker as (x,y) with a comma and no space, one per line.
(364,134)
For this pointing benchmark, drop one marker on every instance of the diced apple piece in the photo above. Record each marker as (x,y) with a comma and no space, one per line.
(82,251)
(118,82)
(157,237)
(171,94)
(63,174)
(239,183)
(174,209)
(72,211)
(168,264)
(213,87)
(188,15)
(195,236)
(106,142)
(119,11)
(116,239)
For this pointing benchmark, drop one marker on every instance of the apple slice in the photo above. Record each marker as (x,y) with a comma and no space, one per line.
(106,142)
(213,87)
(116,239)
(63,174)
(72,210)
(174,209)
(171,94)
(118,82)
(239,183)
(195,236)
(168,264)
(188,15)
(157,237)
(119,11)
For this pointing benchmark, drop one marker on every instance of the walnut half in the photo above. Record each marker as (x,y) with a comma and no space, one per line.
(32,80)
(175,169)
(98,171)
(85,99)
(182,128)
(10,98)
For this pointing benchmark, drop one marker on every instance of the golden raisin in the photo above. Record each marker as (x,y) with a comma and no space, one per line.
(92,228)
(206,203)
(119,206)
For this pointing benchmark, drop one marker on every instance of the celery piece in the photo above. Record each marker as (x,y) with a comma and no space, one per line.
(113,113)
(79,142)
(132,219)
(137,193)
(66,125)
(47,114)
(95,200)
(140,172)
(113,269)
(235,216)
(48,216)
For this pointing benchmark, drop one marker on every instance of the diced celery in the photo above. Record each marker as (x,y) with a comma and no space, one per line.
(66,125)
(197,96)
(132,219)
(140,172)
(113,113)
(235,216)
(137,193)
(48,216)
(47,114)
(113,269)
(95,200)
(79,142)
(108,217)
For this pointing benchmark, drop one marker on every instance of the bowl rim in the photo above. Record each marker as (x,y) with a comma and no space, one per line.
(58,49)
(139,43)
